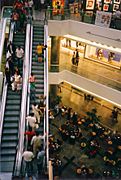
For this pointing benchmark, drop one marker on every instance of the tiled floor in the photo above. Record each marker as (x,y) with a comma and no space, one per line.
(78,104)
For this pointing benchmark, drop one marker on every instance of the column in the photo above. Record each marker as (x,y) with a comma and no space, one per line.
(55,53)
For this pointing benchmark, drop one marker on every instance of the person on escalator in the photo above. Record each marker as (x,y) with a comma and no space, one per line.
(39,50)
(15,19)
(19,55)
(7,74)
(11,49)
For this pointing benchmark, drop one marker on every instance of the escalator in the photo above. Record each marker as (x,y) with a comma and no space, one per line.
(11,119)
(38,67)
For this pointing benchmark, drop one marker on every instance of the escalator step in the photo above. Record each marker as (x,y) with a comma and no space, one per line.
(10,131)
(12,113)
(38,72)
(10,125)
(13,107)
(39,86)
(7,158)
(15,97)
(11,119)
(40,78)
(7,166)
(10,138)
(8,152)
(11,102)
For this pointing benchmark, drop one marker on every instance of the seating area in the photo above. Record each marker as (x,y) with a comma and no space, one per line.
(81,147)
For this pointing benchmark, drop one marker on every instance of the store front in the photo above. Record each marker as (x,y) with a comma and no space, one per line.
(103,54)
(71,46)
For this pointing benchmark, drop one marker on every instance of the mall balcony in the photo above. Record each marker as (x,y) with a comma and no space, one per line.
(92,84)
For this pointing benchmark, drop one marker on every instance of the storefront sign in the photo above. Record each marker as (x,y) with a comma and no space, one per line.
(90,4)
(103,18)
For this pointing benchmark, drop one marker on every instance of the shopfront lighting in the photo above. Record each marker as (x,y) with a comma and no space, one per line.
(92,43)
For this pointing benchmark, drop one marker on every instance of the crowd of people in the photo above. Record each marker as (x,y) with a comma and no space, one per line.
(34,155)
(94,140)
(14,62)
(22,12)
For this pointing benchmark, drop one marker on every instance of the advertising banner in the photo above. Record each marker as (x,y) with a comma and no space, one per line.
(58,7)
(103,18)
(90,4)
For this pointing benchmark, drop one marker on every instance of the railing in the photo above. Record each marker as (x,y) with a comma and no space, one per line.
(4,94)
(46,120)
(4,21)
(115,84)
(23,106)
(81,16)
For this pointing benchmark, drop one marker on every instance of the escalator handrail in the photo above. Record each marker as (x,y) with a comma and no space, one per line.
(4,22)
(4,94)
(20,149)
(3,8)
(46,90)
(30,68)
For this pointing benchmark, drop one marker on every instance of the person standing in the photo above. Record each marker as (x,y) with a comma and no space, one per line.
(73,58)
(28,158)
(77,57)
(40,160)
(115,114)
(7,74)
(19,55)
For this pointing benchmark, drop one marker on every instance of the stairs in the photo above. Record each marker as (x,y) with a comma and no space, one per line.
(11,120)
(37,67)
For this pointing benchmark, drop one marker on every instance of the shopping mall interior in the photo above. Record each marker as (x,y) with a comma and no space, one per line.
(60,90)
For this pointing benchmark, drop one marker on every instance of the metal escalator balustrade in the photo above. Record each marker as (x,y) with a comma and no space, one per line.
(11,120)
(37,68)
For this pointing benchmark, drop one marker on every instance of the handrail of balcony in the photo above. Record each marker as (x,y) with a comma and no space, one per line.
(110,82)
(4,21)
(81,15)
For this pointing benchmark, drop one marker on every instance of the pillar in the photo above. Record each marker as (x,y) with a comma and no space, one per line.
(55,53)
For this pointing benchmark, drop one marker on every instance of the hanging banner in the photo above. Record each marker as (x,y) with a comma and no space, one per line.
(103,18)
(90,4)
(58,7)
